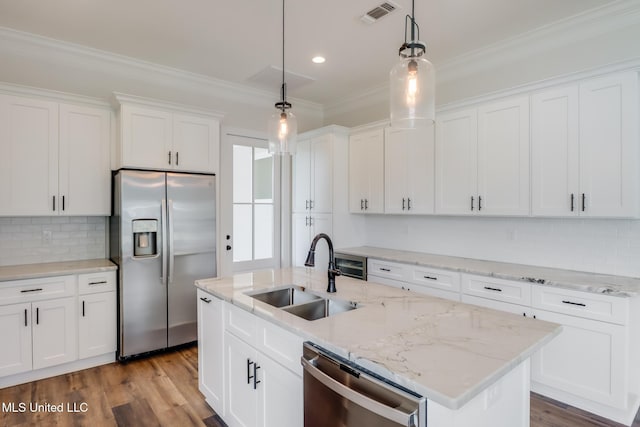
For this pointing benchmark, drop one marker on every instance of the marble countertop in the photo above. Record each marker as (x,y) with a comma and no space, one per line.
(32,271)
(582,281)
(444,350)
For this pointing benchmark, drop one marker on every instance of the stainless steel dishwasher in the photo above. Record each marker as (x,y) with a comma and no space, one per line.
(339,393)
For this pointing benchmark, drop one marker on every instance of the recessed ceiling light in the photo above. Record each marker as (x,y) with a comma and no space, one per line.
(318,59)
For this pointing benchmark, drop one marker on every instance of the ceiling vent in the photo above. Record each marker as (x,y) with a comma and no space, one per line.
(379,12)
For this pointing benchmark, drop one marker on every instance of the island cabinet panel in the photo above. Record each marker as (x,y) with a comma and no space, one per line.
(211,350)
(263,383)
(366,172)
(587,359)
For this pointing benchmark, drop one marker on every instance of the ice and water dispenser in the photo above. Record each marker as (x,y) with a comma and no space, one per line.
(145,237)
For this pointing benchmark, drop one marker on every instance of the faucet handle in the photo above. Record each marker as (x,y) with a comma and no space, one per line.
(335,271)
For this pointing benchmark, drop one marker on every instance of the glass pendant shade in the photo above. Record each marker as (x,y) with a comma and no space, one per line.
(283,132)
(412,83)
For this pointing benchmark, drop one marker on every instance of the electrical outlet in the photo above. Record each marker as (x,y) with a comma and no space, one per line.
(492,394)
(46,236)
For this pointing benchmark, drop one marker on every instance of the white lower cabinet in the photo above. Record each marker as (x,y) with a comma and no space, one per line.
(97,324)
(54,332)
(248,369)
(587,359)
(211,350)
(15,335)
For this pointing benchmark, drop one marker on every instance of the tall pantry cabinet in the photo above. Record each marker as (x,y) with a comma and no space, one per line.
(313,192)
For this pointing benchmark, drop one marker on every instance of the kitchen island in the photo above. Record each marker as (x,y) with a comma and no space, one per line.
(471,363)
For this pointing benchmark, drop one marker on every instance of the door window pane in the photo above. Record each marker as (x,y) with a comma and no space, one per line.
(242,232)
(242,174)
(263,231)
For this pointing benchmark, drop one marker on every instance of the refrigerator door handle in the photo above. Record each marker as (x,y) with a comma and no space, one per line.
(170,238)
(163,227)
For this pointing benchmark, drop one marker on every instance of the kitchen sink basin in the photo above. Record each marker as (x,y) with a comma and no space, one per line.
(320,308)
(284,296)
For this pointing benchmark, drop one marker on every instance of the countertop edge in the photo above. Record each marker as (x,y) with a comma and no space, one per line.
(37,271)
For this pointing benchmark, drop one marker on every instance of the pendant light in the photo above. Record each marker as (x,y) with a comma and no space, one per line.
(412,82)
(283,126)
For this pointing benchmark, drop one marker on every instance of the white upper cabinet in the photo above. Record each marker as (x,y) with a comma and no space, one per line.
(482,159)
(366,172)
(157,137)
(55,158)
(555,152)
(503,157)
(29,160)
(408,171)
(609,146)
(313,175)
(584,149)
(84,172)
(456,162)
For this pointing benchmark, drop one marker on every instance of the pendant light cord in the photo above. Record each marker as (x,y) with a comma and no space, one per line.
(283,89)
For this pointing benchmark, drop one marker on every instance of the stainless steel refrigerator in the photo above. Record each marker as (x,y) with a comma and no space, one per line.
(163,238)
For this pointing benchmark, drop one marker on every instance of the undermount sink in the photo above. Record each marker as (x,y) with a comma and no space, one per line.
(284,296)
(295,300)
(321,308)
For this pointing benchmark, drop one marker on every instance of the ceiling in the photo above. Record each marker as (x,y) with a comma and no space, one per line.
(238,39)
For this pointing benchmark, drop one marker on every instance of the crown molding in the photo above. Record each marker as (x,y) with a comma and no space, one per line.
(27,45)
(52,95)
(121,98)
(336,129)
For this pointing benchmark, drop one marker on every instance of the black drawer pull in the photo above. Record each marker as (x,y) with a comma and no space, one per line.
(83,309)
(102,282)
(430,278)
(489,288)
(207,300)
(256,381)
(249,376)
(25,317)
(385,269)
(37,315)
(574,303)
(24,291)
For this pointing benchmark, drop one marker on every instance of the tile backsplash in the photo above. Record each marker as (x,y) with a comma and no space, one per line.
(30,240)
(608,246)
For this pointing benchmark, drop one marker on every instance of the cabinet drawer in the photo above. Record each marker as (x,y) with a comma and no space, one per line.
(497,289)
(241,323)
(281,345)
(434,278)
(582,304)
(16,291)
(388,269)
(498,305)
(90,283)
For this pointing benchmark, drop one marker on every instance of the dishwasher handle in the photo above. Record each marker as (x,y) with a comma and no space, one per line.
(387,412)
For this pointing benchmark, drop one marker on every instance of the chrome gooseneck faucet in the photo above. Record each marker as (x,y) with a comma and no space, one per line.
(332,271)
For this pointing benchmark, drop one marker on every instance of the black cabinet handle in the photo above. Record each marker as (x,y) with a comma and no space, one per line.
(384,269)
(584,199)
(37,315)
(430,277)
(24,291)
(489,288)
(207,300)
(249,376)
(403,203)
(479,203)
(572,201)
(54,203)
(169,157)
(408,204)
(361,204)
(177,158)
(256,381)
(101,282)
(82,308)
(366,204)
(25,317)
(574,303)
(471,203)
(306,204)
(62,202)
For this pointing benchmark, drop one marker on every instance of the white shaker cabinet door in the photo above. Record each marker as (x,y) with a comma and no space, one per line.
(196,144)
(281,396)
(456,163)
(555,153)
(301,166)
(146,138)
(84,166)
(609,146)
(97,324)
(322,175)
(211,365)
(241,398)
(29,156)
(55,338)
(366,172)
(15,336)
(503,157)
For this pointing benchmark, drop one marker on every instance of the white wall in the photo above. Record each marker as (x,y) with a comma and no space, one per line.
(603,245)
(72,238)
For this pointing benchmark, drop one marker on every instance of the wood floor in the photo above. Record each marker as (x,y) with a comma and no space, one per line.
(162,390)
